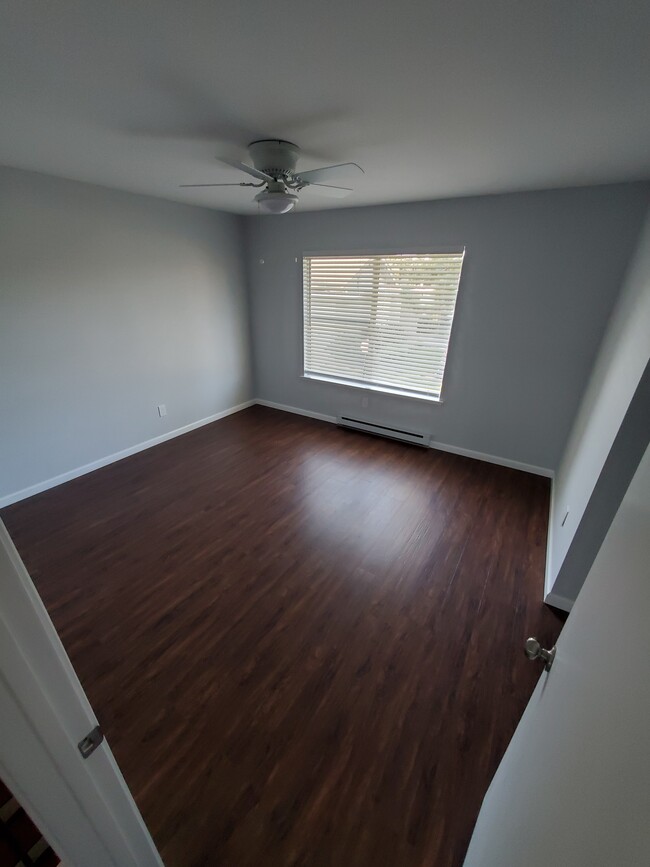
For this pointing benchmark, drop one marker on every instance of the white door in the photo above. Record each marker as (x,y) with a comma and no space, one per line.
(573,789)
(82,806)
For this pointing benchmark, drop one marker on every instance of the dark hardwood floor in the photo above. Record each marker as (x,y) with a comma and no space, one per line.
(305,645)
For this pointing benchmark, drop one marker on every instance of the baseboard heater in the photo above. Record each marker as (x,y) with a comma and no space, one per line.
(381,430)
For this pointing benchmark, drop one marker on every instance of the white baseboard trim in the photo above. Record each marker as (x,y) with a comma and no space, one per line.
(38,488)
(468,453)
(493,459)
(294,409)
(111,459)
(560,602)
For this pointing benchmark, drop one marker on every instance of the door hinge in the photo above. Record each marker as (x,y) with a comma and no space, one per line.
(89,744)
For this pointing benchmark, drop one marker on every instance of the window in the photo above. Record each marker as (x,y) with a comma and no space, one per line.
(382,322)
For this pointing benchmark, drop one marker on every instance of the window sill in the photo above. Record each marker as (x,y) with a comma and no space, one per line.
(398,392)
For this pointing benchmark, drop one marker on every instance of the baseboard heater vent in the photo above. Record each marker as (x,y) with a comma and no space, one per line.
(393,433)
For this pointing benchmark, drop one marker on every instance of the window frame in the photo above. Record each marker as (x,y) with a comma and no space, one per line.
(388,251)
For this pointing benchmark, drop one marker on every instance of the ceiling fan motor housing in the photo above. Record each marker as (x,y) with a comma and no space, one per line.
(275,157)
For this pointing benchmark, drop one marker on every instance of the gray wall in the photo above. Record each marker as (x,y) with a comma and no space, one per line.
(541,275)
(609,435)
(110,304)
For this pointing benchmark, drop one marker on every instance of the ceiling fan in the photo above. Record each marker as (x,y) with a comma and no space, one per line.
(274,166)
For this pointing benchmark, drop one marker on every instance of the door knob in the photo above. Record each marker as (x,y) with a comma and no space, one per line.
(534,650)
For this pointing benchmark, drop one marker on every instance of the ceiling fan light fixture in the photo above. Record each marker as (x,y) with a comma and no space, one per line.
(276,202)
(274,164)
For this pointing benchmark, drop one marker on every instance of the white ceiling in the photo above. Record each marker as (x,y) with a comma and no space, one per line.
(434,98)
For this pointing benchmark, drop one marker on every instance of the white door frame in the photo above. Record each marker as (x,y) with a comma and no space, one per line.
(83,807)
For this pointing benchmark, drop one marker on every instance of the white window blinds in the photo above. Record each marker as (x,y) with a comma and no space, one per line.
(380,321)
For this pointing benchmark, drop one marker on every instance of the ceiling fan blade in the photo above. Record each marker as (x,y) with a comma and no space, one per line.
(241,184)
(329,190)
(236,164)
(330,173)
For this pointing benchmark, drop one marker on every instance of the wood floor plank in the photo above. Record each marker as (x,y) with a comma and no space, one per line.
(303,643)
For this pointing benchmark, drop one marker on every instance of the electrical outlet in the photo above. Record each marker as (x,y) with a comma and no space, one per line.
(364,402)
(162,410)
